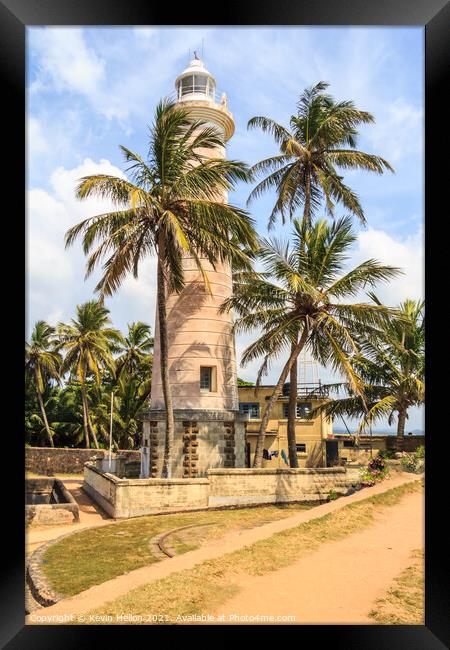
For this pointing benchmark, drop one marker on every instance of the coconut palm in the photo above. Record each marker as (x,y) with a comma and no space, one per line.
(88,343)
(392,368)
(135,352)
(42,363)
(301,290)
(171,206)
(321,140)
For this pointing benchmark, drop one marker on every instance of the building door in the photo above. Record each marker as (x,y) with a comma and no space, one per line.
(247,455)
(332,453)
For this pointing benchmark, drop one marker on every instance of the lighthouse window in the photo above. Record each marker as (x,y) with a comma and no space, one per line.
(196,83)
(206,378)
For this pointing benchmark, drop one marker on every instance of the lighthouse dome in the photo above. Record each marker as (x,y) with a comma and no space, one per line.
(195,82)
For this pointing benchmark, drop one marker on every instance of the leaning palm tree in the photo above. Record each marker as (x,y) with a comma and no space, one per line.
(42,362)
(88,343)
(321,140)
(301,290)
(392,369)
(171,207)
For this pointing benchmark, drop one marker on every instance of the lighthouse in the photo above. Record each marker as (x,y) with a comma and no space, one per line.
(209,432)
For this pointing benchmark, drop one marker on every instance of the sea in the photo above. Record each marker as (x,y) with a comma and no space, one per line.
(377,432)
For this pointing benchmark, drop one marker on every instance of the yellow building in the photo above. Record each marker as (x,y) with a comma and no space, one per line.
(313,448)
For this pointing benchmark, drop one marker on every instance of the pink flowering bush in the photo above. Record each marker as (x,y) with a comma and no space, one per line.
(375,472)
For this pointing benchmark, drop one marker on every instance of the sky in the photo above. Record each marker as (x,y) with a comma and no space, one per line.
(91,89)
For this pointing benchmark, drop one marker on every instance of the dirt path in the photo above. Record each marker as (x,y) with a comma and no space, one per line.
(340,581)
(119,586)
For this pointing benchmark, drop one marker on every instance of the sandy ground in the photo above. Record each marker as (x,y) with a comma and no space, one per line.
(90,515)
(339,583)
(110,590)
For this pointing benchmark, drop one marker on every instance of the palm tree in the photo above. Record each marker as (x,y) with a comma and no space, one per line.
(322,139)
(136,350)
(305,296)
(171,207)
(42,362)
(88,343)
(392,368)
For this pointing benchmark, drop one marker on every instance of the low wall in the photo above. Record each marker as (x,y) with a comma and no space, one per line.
(59,460)
(49,514)
(257,486)
(123,498)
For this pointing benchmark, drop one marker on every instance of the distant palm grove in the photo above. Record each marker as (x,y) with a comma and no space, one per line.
(305,297)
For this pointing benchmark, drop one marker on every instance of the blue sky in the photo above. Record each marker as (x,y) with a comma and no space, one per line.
(89,90)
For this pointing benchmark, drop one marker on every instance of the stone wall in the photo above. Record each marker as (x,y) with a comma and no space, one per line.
(379,444)
(256,486)
(48,461)
(123,498)
(66,511)
(202,439)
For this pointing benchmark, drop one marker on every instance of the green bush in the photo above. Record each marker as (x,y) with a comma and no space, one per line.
(414,462)
(332,495)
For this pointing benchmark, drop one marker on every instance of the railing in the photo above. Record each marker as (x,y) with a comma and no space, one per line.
(312,390)
(214,96)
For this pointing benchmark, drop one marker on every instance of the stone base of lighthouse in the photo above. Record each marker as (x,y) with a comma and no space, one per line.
(203,439)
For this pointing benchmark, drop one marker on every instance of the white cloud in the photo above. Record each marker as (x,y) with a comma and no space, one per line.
(66,61)
(398,132)
(36,141)
(55,276)
(406,253)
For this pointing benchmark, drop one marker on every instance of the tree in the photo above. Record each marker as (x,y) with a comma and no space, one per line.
(301,290)
(171,206)
(243,382)
(322,139)
(88,343)
(392,368)
(135,352)
(42,363)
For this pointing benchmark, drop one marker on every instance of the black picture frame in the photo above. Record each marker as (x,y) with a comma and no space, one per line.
(434,15)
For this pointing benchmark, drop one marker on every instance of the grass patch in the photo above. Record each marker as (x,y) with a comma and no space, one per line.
(93,556)
(203,588)
(404,602)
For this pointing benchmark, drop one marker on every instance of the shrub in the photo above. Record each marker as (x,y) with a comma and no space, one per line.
(375,471)
(332,495)
(414,462)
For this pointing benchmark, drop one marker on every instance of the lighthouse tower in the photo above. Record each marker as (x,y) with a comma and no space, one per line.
(202,362)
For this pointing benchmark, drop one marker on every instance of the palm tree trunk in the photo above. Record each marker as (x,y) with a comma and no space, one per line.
(91,430)
(85,417)
(401,429)
(257,462)
(292,413)
(164,357)
(44,417)
(307,208)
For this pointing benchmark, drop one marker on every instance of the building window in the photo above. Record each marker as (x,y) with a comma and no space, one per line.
(301,448)
(249,408)
(349,443)
(206,378)
(303,410)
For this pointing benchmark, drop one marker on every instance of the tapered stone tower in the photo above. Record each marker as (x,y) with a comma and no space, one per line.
(202,362)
